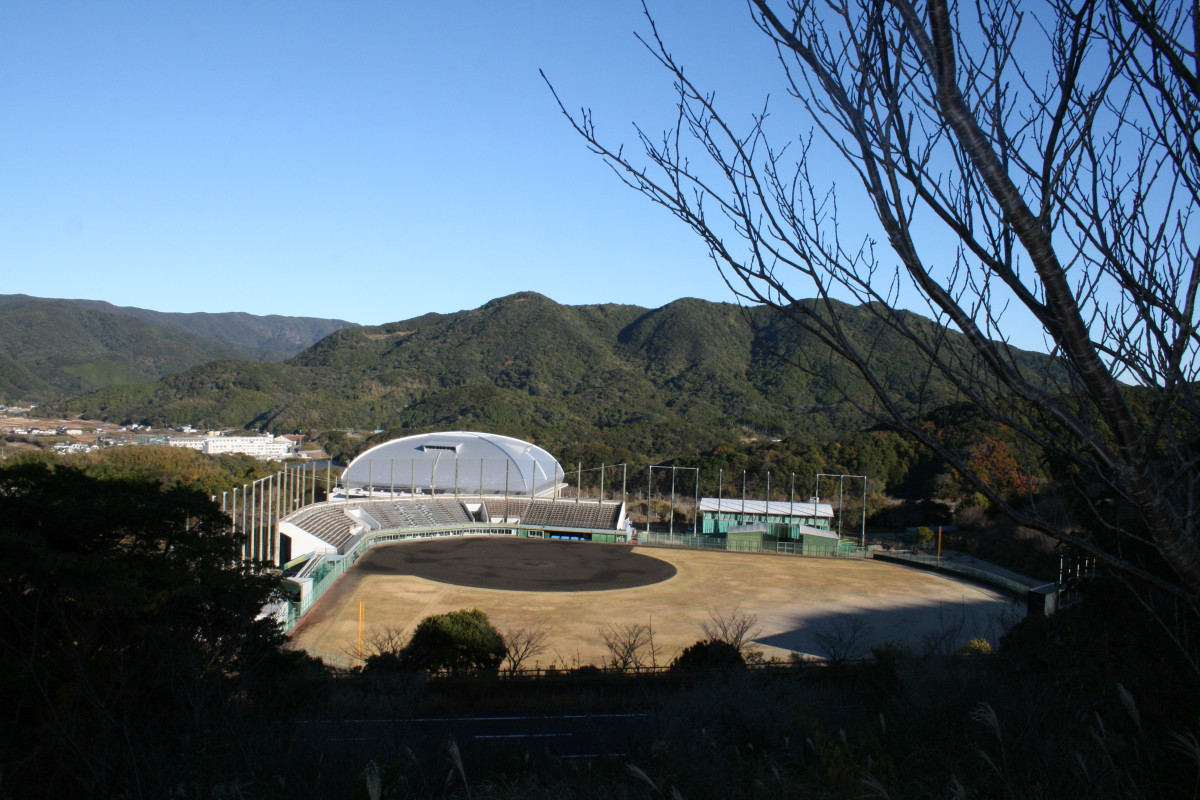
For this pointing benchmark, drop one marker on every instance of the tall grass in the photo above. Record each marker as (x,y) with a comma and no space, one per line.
(1082,706)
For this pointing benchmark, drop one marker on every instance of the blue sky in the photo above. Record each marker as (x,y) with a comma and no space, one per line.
(369,161)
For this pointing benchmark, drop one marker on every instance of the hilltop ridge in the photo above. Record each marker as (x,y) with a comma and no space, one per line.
(650,380)
(52,346)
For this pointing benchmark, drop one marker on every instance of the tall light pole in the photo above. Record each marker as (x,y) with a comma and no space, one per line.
(671,519)
(649,494)
(862,542)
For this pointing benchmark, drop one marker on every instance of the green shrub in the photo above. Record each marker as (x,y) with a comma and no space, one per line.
(975,500)
(459,641)
(976,647)
(708,654)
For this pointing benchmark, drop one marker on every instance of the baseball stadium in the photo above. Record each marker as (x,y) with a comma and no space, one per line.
(433,523)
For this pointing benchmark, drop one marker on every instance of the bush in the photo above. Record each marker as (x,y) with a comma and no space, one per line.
(459,641)
(972,517)
(708,654)
(976,647)
(975,500)
(128,617)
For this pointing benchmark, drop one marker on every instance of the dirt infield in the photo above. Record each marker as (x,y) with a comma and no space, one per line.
(799,602)
(521,565)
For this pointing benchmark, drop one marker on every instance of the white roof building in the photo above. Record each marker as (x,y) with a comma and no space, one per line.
(263,447)
(456,462)
(765,508)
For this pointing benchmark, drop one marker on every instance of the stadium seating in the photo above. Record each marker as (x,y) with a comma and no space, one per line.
(331,523)
(556,513)
(328,522)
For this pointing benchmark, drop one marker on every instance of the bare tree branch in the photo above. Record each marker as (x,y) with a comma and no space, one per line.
(524,643)
(1028,167)
(630,646)
(736,629)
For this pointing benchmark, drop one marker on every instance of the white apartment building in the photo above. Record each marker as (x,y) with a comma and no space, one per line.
(266,446)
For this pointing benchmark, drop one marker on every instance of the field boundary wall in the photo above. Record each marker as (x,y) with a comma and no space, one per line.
(1041,600)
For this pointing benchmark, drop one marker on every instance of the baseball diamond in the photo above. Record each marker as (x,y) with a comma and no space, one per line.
(578,589)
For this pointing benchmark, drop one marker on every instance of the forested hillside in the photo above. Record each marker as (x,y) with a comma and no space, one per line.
(266,338)
(55,347)
(263,338)
(681,378)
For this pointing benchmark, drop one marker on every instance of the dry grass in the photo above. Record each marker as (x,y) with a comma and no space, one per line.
(792,599)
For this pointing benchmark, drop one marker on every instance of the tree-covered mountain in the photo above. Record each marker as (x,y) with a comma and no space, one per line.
(656,382)
(17,382)
(263,338)
(50,347)
(55,347)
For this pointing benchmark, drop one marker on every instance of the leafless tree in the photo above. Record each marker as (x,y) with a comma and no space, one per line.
(384,642)
(840,639)
(630,646)
(524,643)
(737,629)
(946,636)
(1028,168)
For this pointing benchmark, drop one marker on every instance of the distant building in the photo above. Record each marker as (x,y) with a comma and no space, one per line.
(73,447)
(265,447)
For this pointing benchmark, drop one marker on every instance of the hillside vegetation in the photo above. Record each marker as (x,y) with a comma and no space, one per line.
(60,347)
(678,379)
(265,338)
(55,347)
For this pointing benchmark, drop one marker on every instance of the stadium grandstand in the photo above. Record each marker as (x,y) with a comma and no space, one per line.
(433,485)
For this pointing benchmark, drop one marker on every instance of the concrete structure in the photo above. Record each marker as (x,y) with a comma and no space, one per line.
(326,539)
(265,447)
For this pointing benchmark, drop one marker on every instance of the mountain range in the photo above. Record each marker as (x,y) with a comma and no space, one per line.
(683,376)
(51,347)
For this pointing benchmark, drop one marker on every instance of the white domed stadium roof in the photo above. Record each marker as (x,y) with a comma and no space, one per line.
(455,462)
